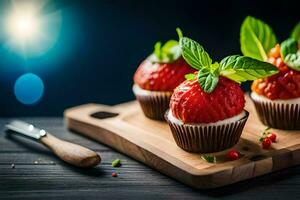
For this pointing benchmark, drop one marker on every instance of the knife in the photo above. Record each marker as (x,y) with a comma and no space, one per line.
(71,153)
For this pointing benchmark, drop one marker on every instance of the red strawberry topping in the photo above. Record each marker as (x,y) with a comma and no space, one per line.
(156,76)
(284,85)
(191,104)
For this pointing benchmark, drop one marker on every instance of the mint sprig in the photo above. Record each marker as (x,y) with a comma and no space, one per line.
(236,68)
(291,54)
(167,53)
(256,38)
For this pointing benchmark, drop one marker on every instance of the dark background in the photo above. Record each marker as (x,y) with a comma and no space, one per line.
(101,43)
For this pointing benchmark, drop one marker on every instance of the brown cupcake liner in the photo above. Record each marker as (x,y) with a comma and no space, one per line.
(207,138)
(278,115)
(153,103)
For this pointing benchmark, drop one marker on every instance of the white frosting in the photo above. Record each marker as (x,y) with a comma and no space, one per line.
(258,97)
(137,90)
(221,122)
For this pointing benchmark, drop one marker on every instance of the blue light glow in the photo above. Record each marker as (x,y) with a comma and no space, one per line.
(29,89)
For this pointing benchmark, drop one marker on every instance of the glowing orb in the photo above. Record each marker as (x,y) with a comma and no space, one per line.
(23,25)
(29,89)
(30,30)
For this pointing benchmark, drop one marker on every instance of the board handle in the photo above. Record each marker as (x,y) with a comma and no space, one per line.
(71,153)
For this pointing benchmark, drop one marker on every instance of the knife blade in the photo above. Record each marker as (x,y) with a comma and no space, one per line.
(26,129)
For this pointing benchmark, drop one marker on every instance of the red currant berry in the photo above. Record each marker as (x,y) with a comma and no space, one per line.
(114,174)
(233,155)
(266,143)
(272,137)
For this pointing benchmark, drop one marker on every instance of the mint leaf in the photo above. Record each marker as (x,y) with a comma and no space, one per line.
(242,68)
(293,60)
(296,32)
(171,51)
(256,38)
(290,53)
(207,80)
(194,54)
(190,76)
(289,46)
(209,158)
(167,53)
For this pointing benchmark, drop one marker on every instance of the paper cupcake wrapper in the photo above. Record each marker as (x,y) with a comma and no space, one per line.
(207,138)
(278,115)
(153,104)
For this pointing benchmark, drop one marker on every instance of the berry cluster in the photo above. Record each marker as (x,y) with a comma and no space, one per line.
(284,85)
(267,138)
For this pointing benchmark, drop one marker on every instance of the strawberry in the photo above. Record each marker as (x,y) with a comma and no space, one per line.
(284,85)
(155,76)
(266,143)
(191,104)
(272,137)
(233,155)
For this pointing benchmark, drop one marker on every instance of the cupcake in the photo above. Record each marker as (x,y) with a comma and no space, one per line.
(276,98)
(158,76)
(207,110)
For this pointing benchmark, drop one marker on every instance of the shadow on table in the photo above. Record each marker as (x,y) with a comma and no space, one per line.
(36,147)
(257,183)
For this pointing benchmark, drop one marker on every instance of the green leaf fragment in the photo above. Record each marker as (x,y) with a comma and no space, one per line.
(116,163)
(157,50)
(209,158)
(179,32)
(296,32)
(256,38)
(190,76)
(289,46)
(293,60)
(290,53)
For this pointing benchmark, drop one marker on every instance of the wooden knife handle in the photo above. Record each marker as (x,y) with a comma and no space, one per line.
(71,153)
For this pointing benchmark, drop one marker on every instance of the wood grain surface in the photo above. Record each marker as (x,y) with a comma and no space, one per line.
(151,142)
(38,174)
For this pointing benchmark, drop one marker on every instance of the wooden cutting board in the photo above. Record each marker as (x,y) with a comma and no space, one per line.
(125,129)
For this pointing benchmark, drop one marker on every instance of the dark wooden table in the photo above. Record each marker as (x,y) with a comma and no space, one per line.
(39,174)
